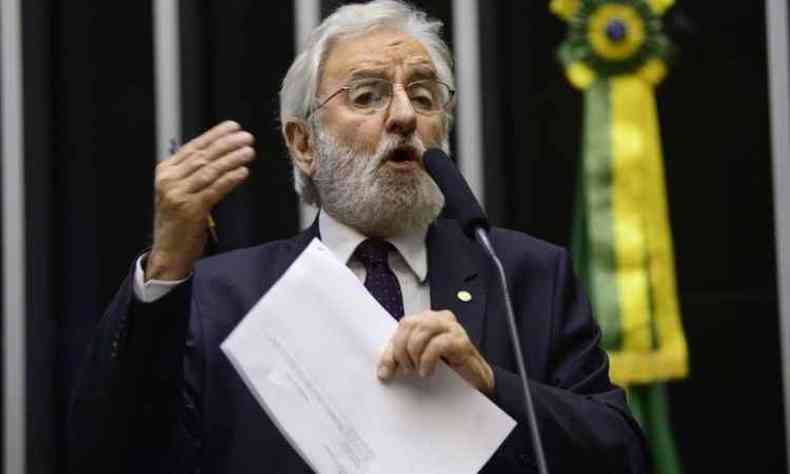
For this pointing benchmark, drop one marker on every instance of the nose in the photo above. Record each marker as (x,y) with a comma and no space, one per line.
(401,118)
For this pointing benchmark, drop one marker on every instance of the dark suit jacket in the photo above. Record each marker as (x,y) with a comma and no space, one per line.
(156,392)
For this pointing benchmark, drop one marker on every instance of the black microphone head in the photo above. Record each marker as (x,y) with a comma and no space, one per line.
(459,201)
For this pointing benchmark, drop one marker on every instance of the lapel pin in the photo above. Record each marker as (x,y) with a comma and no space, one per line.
(464,296)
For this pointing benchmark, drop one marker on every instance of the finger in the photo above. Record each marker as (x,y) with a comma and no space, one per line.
(446,316)
(399,344)
(228,143)
(419,338)
(204,140)
(207,173)
(438,347)
(222,186)
(194,160)
(387,364)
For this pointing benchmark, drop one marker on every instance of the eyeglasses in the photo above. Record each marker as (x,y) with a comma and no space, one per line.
(368,96)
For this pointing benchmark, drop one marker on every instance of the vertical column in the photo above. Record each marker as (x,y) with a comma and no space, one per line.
(308,15)
(778,68)
(167,70)
(14,276)
(469,133)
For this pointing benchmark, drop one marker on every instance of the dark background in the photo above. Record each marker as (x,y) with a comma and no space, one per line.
(90,141)
(714,117)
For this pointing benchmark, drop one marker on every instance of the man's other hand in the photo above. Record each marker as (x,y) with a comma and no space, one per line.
(187,186)
(422,339)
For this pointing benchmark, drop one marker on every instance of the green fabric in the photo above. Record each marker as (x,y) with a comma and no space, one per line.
(596,221)
(579,230)
(592,246)
(650,407)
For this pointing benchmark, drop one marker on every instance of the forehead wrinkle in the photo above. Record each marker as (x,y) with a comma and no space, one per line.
(380,61)
(421,68)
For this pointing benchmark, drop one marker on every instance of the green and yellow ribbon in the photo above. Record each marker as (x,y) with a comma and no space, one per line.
(615,53)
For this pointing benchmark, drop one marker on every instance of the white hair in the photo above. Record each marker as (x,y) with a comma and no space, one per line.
(300,85)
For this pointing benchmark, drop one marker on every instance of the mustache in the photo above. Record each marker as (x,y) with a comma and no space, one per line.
(390,144)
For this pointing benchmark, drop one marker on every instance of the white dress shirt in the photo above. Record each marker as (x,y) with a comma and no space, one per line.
(409,264)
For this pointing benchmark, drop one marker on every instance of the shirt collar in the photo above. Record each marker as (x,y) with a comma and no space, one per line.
(342,240)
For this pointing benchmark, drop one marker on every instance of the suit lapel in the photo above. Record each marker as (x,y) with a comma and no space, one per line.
(457,283)
(267,277)
(302,240)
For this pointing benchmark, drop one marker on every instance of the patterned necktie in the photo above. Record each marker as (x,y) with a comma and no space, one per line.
(380,281)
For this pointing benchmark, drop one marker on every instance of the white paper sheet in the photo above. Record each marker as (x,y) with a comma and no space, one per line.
(308,351)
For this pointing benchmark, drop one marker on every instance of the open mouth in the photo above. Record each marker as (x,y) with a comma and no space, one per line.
(403,155)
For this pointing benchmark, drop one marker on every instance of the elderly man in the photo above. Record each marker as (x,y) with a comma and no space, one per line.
(371,91)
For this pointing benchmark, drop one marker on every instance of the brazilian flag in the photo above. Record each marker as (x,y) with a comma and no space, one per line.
(615,53)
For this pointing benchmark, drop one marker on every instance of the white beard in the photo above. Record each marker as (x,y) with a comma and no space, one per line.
(360,191)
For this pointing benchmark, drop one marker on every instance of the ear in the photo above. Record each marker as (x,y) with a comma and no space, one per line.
(300,144)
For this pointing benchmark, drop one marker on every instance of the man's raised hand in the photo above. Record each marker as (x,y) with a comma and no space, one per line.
(187,186)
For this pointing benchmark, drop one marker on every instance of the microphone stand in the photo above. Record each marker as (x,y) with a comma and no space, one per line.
(460,203)
(481,235)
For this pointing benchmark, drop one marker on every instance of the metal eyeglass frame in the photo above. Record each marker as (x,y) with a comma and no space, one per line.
(347,87)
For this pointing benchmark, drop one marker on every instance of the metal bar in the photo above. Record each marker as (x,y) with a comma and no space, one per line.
(14,274)
(167,70)
(778,70)
(308,16)
(469,128)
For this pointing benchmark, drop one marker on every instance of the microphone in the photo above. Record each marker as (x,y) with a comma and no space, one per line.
(460,204)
